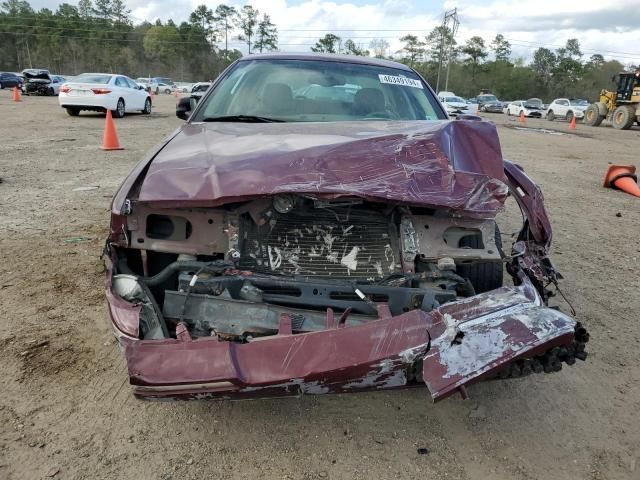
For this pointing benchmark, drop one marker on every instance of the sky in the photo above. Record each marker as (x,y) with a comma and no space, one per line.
(609,27)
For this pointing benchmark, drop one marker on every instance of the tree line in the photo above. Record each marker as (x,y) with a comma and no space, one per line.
(99,35)
(478,64)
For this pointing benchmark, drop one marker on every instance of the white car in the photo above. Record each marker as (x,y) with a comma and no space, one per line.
(454,105)
(144,83)
(523,106)
(566,108)
(99,92)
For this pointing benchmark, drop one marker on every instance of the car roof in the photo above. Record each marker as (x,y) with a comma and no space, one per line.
(327,57)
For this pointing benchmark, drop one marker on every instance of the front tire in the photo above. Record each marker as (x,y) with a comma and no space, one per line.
(592,116)
(569,116)
(550,116)
(51,92)
(623,117)
(120,109)
(147,106)
(73,112)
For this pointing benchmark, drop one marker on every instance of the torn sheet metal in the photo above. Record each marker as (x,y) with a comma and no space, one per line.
(497,328)
(476,336)
(452,165)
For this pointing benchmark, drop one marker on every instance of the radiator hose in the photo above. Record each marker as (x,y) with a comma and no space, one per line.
(217,267)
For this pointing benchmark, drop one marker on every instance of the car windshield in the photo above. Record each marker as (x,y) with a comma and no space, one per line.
(579,103)
(454,100)
(92,78)
(487,98)
(319,91)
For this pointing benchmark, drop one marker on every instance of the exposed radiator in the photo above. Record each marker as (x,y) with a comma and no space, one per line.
(322,243)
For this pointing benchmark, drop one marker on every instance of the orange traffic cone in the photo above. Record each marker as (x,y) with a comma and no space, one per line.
(572,124)
(521,117)
(175,93)
(16,94)
(110,138)
(622,177)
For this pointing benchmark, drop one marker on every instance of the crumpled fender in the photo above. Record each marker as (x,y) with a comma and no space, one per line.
(531,201)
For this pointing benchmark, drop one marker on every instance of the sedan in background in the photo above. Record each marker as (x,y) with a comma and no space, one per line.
(10,80)
(56,82)
(99,92)
(454,105)
(198,91)
(566,108)
(489,103)
(524,107)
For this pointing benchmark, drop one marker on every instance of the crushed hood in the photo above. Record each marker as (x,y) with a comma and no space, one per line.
(445,164)
(36,75)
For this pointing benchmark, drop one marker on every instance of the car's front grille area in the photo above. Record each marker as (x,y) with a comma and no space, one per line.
(321,243)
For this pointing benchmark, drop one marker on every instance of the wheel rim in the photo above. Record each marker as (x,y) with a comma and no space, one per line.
(120,108)
(147,106)
(619,118)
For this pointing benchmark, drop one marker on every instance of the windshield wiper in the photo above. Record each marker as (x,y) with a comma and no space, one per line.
(242,118)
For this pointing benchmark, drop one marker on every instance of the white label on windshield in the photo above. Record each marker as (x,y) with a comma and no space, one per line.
(393,80)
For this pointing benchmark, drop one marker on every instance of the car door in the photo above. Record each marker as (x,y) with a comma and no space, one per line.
(562,107)
(122,87)
(139,95)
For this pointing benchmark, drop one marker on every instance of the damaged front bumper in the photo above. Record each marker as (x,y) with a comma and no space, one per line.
(501,333)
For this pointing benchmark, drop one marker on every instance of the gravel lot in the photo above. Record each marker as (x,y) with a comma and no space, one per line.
(66,410)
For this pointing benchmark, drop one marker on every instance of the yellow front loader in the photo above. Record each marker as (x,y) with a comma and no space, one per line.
(620,107)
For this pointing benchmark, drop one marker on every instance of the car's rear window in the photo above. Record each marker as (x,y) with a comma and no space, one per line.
(91,78)
(320,91)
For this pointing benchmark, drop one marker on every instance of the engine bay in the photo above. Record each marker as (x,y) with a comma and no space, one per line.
(235,271)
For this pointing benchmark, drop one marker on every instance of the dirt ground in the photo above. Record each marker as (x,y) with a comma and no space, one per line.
(65,405)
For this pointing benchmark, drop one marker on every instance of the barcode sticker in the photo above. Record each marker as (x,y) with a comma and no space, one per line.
(393,80)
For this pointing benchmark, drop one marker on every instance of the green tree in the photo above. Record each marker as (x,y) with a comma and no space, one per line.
(225,17)
(247,23)
(441,45)
(203,17)
(161,43)
(380,47)
(266,35)
(327,44)
(544,63)
(568,69)
(350,48)
(501,48)
(102,9)
(413,49)
(85,8)
(476,52)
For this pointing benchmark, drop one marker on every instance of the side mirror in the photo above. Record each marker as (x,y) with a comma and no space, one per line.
(183,109)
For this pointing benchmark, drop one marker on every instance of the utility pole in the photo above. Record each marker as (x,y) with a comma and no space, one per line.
(455,23)
(450,24)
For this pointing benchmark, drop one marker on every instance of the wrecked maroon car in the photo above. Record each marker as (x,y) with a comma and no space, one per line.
(319,225)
